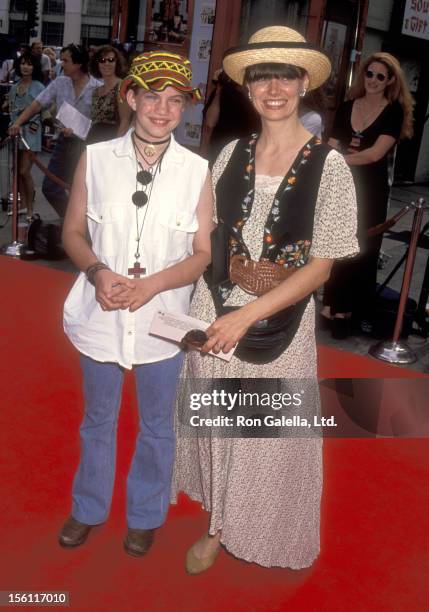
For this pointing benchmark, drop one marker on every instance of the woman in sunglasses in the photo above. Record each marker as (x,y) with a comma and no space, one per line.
(109,118)
(366,129)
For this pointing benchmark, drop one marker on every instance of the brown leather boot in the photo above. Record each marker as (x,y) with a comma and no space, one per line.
(73,533)
(138,541)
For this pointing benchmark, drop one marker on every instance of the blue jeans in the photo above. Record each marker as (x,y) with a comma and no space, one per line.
(63,162)
(149,479)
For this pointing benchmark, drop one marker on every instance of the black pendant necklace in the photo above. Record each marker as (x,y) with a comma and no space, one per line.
(144,177)
(141,198)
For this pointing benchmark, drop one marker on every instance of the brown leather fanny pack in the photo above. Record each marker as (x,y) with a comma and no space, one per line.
(267,339)
(257,277)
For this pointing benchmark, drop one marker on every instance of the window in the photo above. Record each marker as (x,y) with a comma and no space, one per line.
(98,8)
(53,7)
(18,6)
(18,28)
(94,34)
(52,33)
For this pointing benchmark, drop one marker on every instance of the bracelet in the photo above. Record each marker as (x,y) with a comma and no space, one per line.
(93,269)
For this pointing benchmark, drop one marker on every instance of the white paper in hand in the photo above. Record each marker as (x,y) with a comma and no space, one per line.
(71,118)
(174,326)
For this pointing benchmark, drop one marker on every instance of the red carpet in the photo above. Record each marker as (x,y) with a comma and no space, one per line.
(375,528)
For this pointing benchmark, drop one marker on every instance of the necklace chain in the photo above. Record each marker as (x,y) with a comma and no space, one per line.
(22,88)
(150,164)
(153,168)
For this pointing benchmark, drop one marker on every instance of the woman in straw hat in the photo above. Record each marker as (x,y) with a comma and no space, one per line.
(286,204)
(378,113)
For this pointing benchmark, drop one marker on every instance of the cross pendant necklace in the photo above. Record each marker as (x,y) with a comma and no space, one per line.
(137,270)
(145,177)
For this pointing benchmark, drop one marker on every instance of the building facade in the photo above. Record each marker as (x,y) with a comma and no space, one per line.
(60,22)
(347,30)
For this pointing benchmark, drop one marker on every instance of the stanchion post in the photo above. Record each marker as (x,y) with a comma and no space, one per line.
(15,189)
(14,249)
(409,266)
(393,350)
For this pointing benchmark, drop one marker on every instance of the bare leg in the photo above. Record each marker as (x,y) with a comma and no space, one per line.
(26,184)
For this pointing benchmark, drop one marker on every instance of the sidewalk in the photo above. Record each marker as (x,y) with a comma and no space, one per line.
(393,248)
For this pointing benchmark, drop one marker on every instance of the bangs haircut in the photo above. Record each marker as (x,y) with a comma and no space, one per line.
(33,60)
(187,97)
(272,70)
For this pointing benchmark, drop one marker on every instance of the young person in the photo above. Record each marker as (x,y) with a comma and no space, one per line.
(146,203)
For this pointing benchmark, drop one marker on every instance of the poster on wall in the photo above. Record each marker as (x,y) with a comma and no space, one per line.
(204,49)
(333,44)
(189,130)
(168,23)
(416,19)
(207,14)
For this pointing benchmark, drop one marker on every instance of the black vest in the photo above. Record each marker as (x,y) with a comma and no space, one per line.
(288,228)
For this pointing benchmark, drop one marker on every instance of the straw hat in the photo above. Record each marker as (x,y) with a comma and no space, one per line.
(279,45)
(156,70)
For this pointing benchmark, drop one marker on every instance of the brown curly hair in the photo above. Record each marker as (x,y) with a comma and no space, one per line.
(120,67)
(397,90)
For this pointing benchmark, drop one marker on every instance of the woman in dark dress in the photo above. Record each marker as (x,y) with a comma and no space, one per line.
(366,128)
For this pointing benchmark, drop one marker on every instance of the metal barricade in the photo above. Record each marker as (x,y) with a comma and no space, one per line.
(5,173)
(5,150)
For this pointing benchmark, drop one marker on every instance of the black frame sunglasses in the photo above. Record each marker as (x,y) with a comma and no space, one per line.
(108,60)
(370,74)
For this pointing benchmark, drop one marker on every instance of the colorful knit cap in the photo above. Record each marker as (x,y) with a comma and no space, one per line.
(156,70)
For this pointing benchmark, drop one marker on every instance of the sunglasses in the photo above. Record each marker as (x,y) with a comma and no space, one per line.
(379,75)
(109,60)
(140,198)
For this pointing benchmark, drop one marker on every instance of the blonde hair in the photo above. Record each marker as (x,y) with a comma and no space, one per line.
(51,54)
(397,90)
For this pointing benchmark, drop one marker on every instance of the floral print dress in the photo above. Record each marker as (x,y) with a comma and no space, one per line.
(264,493)
(104,115)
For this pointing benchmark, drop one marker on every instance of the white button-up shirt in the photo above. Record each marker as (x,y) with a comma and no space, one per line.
(61,89)
(170,224)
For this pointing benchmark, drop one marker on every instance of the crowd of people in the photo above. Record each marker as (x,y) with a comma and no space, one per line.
(88,84)
(279,213)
